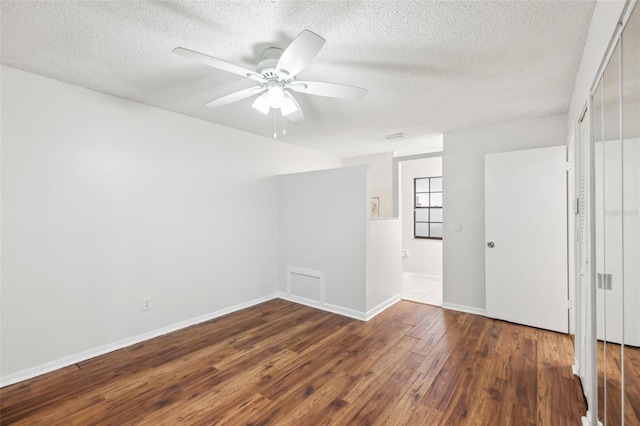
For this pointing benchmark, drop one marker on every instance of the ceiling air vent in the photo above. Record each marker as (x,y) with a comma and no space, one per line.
(396,136)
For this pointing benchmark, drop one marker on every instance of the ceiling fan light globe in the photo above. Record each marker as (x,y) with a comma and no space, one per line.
(275,96)
(262,104)
(288,106)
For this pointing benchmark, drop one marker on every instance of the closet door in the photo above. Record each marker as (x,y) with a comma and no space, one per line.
(609,274)
(616,148)
(630,153)
(608,239)
(612,278)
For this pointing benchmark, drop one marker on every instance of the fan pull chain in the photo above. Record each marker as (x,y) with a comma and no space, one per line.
(275,124)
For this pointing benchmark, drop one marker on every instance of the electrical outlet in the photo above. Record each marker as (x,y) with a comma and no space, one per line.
(276,274)
(405,253)
(146,303)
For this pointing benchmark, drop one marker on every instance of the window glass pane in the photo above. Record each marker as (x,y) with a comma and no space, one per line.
(422,200)
(436,215)
(428,207)
(436,230)
(422,229)
(422,215)
(436,199)
(422,185)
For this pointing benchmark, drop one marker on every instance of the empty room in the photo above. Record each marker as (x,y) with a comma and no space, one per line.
(320,212)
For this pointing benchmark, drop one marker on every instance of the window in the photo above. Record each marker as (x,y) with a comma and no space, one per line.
(427,208)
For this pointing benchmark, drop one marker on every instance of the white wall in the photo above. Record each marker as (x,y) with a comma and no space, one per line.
(323,221)
(106,201)
(463,198)
(381,178)
(332,255)
(425,256)
(384,264)
(606,15)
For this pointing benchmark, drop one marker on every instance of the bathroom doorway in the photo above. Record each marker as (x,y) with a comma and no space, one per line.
(419,195)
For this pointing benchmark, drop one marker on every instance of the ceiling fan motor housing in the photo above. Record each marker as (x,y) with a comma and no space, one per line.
(267,67)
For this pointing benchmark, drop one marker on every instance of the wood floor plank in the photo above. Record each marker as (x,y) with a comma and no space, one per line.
(474,376)
(614,372)
(558,391)
(425,324)
(632,385)
(281,363)
(220,400)
(388,388)
(455,371)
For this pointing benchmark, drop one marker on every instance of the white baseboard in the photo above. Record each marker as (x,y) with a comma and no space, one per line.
(83,356)
(341,310)
(575,370)
(467,309)
(335,309)
(382,306)
(588,420)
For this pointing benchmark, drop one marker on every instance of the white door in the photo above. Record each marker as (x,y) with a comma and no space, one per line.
(526,237)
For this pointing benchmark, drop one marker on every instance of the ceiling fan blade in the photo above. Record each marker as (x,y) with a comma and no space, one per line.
(217,63)
(332,90)
(236,96)
(299,53)
(297,114)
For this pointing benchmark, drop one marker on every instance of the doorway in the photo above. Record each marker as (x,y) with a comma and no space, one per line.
(420,211)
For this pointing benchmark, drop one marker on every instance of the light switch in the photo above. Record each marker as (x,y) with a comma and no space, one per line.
(458,227)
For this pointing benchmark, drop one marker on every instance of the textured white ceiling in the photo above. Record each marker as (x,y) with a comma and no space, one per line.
(429,66)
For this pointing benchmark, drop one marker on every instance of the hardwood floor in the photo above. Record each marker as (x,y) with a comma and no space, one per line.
(283,363)
(613,394)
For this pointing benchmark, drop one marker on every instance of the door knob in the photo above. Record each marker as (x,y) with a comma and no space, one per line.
(490,244)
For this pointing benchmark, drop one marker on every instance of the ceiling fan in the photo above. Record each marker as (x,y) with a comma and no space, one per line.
(276,77)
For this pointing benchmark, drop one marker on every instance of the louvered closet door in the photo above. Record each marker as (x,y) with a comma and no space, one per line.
(585,339)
